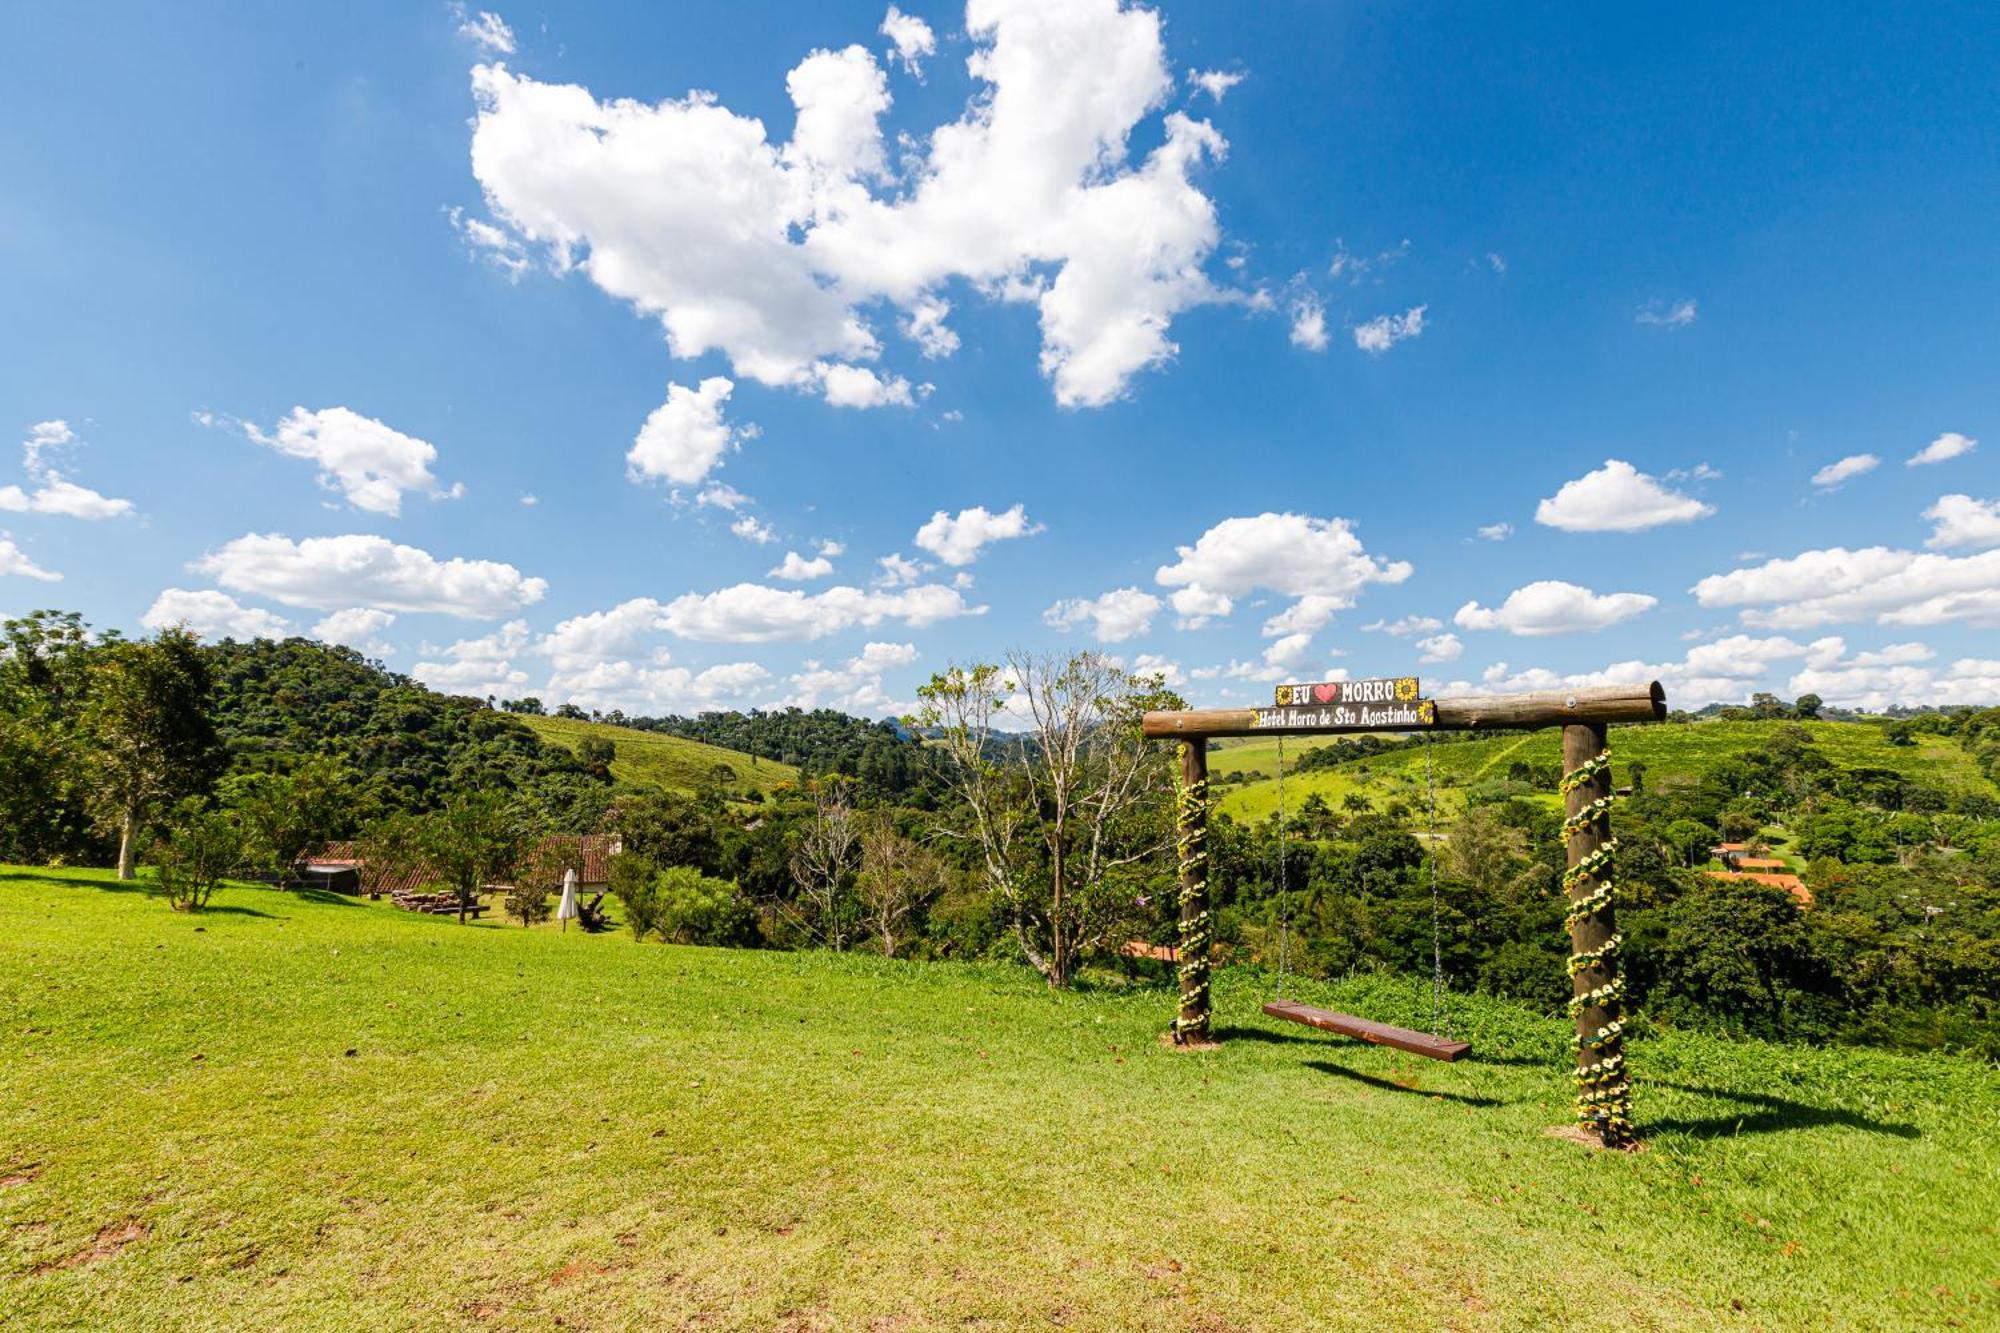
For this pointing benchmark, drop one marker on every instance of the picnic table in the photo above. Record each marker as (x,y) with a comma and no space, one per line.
(437,904)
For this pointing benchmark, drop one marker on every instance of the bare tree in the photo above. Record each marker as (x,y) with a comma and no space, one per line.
(823,859)
(898,876)
(1058,811)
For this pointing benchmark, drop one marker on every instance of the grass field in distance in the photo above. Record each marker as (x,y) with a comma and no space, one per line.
(672,763)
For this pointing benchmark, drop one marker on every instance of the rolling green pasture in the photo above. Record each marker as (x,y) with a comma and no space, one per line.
(1669,750)
(325,1114)
(672,763)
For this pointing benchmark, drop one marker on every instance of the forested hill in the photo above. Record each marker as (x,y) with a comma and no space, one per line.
(820,740)
(275,703)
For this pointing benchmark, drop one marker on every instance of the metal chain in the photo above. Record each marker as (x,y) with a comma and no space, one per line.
(1284,878)
(1440,1015)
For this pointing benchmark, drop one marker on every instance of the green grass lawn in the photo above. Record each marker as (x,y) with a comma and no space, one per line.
(673,763)
(1668,750)
(335,1115)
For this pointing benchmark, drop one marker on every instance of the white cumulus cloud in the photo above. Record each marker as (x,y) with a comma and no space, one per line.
(1440,648)
(365,460)
(486,29)
(685,438)
(359,628)
(15,561)
(1964,521)
(1381,333)
(1617,498)
(1118,615)
(1876,583)
(799,569)
(1944,448)
(329,572)
(54,493)
(910,38)
(754,613)
(1309,323)
(1551,606)
(213,615)
(854,686)
(776,254)
(1833,474)
(753,529)
(957,539)
(1405,625)
(1318,561)
(1215,82)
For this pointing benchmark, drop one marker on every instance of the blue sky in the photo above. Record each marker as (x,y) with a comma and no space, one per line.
(1259,314)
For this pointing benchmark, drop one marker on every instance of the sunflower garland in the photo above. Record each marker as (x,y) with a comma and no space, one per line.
(1191,845)
(1604,1094)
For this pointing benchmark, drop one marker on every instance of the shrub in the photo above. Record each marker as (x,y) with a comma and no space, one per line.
(695,909)
(528,901)
(201,848)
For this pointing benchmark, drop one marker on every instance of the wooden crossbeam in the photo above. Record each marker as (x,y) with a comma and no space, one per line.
(1598,704)
(1379,1034)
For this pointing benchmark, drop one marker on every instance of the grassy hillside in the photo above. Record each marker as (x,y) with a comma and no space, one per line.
(652,759)
(331,1115)
(1667,749)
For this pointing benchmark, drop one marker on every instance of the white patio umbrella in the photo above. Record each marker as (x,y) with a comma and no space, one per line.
(567,907)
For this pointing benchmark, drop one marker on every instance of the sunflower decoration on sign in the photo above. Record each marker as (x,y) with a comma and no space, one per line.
(1406,689)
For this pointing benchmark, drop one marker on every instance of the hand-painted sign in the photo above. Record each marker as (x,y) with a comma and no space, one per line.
(1378,716)
(1388,689)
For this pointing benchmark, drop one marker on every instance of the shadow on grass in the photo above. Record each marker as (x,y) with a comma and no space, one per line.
(327,896)
(1387,1085)
(98,880)
(106,883)
(1771,1115)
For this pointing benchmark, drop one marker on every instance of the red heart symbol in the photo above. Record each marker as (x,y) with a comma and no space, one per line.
(1327,693)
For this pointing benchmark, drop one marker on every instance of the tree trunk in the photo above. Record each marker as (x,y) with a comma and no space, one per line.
(1059,965)
(1604,1095)
(128,837)
(1191,841)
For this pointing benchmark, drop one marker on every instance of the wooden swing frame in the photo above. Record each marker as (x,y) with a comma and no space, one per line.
(1583,714)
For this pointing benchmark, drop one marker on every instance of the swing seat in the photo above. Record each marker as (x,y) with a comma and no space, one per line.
(1380,1034)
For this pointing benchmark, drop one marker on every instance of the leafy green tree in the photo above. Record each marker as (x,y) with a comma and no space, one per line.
(44,682)
(596,754)
(696,909)
(202,847)
(476,840)
(670,829)
(1690,840)
(1738,951)
(290,814)
(151,741)
(635,883)
(391,850)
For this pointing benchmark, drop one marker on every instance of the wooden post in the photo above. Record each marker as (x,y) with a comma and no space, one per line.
(1191,841)
(1604,1095)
